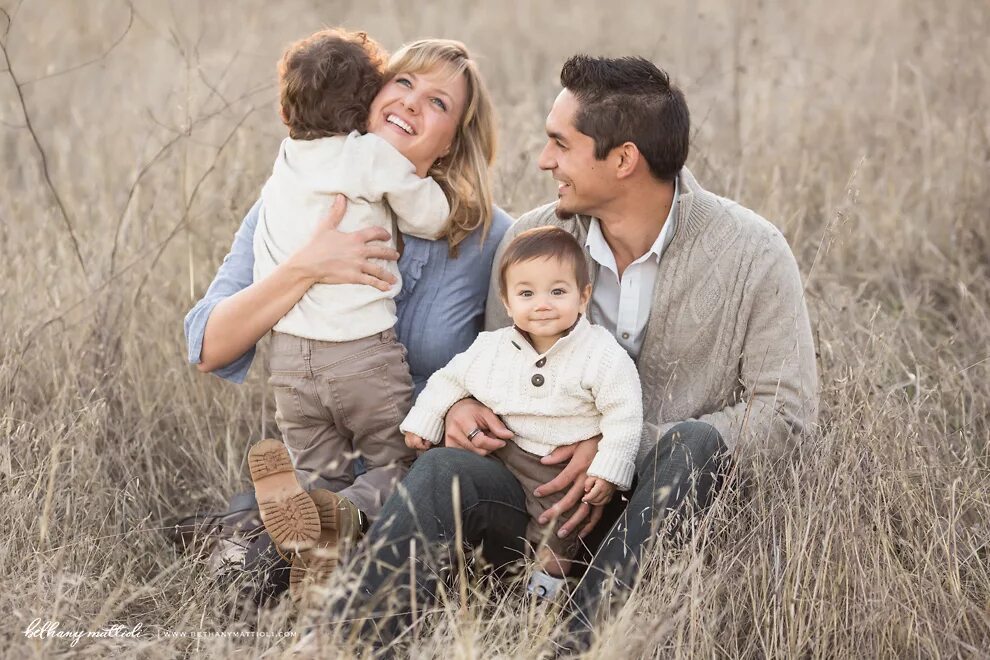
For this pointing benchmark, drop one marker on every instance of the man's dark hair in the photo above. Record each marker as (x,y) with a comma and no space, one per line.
(544,243)
(630,99)
(327,82)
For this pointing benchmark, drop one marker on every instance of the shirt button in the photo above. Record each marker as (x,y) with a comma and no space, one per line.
(542,361)
(625,335)
(537,379)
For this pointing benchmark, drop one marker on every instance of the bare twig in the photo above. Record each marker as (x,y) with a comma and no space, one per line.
(192,198)
(10,20)
(143,171)
(41,150)
(82,65)
(214,88)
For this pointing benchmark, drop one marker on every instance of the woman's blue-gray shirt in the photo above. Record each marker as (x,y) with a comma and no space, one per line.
(441,308)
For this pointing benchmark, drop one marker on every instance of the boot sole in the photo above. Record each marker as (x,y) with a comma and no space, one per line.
(339,522)
(288,512)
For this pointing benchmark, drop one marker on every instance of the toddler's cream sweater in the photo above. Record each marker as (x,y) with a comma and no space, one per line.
(379,183)
(584,385)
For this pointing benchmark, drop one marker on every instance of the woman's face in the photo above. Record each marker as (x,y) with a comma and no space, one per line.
(418,114)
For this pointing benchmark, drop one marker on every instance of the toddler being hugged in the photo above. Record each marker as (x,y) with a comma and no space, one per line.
(339,374)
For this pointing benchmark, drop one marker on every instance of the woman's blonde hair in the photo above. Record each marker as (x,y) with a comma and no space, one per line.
(463,173)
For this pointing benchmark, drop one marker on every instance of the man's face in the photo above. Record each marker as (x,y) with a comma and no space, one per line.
(583,183)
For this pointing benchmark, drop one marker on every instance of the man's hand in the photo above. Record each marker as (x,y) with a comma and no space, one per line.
(573,476)
(599,492)
(466,416)
(413,441)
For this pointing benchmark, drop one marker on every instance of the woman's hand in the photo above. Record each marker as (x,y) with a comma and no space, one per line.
(467,415)
(599,492)
(335,257)
(330,256)
(413,441)
(578,457)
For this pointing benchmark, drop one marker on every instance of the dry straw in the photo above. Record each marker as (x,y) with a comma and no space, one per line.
(134,139)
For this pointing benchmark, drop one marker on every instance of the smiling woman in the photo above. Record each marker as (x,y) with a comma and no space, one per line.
(435,88)
(417,114)
(432,124)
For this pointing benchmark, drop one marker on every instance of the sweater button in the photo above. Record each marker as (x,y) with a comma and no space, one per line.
(537,379)
(542,361)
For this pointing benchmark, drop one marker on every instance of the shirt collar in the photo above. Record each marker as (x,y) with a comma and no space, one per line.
(600,251)
(520,338)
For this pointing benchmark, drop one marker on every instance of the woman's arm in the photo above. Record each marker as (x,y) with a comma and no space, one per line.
(239,312)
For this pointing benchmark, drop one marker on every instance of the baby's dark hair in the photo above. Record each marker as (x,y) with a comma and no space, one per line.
(327,82)
(544,243)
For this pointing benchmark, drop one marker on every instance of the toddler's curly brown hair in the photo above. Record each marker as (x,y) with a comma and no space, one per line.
(327,82)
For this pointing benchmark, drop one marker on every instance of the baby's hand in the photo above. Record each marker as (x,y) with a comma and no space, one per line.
(413,441)
(597,491)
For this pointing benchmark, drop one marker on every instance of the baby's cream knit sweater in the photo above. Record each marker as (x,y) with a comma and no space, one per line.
(584,385)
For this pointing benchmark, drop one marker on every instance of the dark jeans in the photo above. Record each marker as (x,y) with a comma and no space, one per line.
(680,475)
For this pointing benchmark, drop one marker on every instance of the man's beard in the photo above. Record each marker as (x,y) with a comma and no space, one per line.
(561,213)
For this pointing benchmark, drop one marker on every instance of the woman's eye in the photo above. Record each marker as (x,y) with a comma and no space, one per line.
(404,81)
(439,103)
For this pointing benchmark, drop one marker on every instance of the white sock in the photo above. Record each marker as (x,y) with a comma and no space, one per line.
(544,585)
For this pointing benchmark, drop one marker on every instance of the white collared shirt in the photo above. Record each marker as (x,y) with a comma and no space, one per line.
(623,307)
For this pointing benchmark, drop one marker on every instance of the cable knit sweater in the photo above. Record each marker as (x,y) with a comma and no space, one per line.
(728,341)
(585,384)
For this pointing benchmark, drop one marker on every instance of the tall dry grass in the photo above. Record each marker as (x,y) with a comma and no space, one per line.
(860,129)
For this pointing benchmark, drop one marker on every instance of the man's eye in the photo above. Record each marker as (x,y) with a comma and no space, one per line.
(439,103)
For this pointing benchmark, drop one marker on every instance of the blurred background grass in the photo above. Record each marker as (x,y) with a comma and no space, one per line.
(135,137)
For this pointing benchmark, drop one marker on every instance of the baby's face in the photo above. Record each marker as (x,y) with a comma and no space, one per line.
(542,296)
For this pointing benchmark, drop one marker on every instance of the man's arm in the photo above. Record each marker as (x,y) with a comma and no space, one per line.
(777,367)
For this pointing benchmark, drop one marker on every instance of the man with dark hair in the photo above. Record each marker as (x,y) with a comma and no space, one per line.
(704,294)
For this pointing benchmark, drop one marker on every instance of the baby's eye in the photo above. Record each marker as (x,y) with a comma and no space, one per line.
(525,294)
(558,292)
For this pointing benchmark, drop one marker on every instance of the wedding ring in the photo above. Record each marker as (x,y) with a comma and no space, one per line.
(476,431)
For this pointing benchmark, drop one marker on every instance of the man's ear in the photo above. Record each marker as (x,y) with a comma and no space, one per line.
(628,159)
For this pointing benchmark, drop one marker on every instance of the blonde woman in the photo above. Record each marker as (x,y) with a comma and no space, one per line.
(436,87)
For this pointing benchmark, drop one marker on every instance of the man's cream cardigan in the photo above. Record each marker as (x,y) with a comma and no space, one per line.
(728,340)
(585,384)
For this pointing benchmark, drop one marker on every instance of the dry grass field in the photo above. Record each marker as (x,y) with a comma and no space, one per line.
(134,138)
